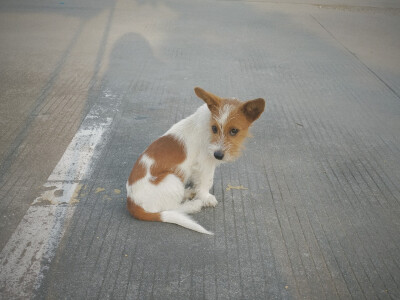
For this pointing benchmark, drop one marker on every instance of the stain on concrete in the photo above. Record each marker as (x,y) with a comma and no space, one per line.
(239,187)
(99,190)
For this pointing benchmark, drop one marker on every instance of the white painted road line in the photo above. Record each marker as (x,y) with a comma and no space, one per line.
(76,161)
(28,253)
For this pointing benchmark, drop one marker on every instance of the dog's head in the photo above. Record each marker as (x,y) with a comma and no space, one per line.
(230,123)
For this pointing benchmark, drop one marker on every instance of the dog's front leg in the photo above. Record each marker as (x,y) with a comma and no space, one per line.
(203,185)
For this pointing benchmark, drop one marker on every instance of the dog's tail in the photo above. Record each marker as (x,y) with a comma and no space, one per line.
(179,218)
(168,216)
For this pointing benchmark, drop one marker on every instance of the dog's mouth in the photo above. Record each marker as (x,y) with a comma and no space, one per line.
(223,157)
(220,154)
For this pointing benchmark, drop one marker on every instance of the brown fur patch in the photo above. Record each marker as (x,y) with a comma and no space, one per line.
(167,152)
(235,143)
(139,213)
(138,172)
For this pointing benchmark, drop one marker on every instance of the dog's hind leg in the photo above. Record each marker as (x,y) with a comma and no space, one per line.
(190,206)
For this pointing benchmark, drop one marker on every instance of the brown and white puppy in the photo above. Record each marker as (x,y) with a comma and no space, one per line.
(186,156)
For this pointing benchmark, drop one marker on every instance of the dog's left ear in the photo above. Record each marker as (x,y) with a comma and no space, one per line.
(213,101)
(253,109)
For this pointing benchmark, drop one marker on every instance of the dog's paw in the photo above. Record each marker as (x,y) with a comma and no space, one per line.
(189,194)
(210,201)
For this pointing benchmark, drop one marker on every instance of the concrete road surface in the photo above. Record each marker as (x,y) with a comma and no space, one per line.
(310,211)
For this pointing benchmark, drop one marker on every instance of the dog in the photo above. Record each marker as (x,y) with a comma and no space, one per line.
(173,176)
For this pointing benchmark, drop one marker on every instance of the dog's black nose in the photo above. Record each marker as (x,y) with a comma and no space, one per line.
(219,155)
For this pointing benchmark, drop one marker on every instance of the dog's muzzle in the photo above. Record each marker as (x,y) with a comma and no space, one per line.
(219,155)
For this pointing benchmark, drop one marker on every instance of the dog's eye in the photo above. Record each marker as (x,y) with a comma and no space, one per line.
(214,129)
(233,131)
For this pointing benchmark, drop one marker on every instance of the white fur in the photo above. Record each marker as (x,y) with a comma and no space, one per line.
(224,114)
(168,197)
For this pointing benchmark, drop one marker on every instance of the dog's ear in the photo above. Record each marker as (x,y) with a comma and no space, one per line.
(213,101)
(253,109)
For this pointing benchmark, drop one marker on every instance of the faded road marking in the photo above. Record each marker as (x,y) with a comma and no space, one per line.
(27,256)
